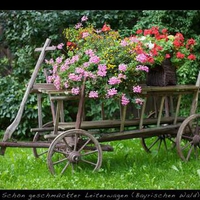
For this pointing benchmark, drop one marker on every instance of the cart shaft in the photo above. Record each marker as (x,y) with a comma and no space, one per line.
(25,144)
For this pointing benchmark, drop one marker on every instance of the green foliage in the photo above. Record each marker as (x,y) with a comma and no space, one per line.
(23,30)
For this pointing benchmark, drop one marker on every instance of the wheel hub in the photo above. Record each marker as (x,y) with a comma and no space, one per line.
(74,156)
(196,140)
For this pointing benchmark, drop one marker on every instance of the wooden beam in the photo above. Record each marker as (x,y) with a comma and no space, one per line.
(10,129)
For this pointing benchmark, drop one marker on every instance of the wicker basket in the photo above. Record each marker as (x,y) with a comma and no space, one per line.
(162,75)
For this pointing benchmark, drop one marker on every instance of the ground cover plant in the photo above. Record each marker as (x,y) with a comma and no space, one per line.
(127,167)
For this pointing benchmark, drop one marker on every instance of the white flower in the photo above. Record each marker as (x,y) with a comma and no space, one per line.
(150,45)
(142,38)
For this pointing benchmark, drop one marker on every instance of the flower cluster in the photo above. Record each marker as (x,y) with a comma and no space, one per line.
(154,45)
(112,66)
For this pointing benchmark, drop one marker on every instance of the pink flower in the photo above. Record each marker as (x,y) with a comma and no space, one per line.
(89,52)
(141,58)
(114,80)
(84,18)
(122,67)
(85,34)
(93,94)
(142,68)
(75,77)
(124,43)
(66,84)
(57,82)
(78,25)
(94,59)
(75,91)
(59,60)
(137,89)
(111,92)
(139,101)
(60,46)
(124,100)
(102,70)
(121,76)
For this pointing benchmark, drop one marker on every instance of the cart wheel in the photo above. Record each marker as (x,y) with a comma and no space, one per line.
(155,143)
(37,152)
(74,148)
(188,137)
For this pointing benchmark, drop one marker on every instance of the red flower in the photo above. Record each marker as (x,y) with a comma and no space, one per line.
(177,43)
(106,28)
(150,60)
(71,45)
(190,43)
(147,32)
(191,57)
(164,31)
(139,31)
(180,55)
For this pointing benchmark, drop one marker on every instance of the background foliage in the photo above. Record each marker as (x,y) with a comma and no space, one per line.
(24,30)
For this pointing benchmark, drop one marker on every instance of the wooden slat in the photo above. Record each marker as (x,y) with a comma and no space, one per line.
(116,123)
(47,48)
(148,132)
(169,88)
(142,113)
(38,86)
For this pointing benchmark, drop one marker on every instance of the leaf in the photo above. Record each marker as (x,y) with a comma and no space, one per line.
(198,172)
(175,168)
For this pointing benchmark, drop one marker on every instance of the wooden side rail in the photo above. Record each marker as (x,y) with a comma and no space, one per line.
(102,124)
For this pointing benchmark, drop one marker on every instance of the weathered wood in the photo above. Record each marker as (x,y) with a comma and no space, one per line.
(148,132)
(45,129)
(198,80)
(142,113)
(38,87)
(52,48)
(177,108)
(80,106)
(116,123)
(39,103)
(169,88)
(10,129)
(123,117)
(25,144)
(160,110)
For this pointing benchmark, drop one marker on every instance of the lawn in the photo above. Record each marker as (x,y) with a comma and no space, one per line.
(128,167)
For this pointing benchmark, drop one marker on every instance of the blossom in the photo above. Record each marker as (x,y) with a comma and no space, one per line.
(75,91)
(105,28)
(111,65)
(157,44)
(137,89)
(124,100)
(114,81)
(84,18)
(139,101)
(111,92)
(122,67)
(93,94)
(60,46)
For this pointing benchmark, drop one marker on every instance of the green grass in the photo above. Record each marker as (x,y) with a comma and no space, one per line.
(127,167)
